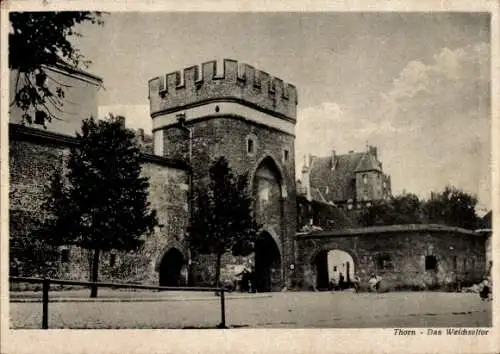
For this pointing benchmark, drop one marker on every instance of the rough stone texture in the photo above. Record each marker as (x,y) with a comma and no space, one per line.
(225,136)
(31,165)
(460,254)
(237,81)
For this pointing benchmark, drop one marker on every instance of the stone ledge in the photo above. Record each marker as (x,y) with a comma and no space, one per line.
(386,229)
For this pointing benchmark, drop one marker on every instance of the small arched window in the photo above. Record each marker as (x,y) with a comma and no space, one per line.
(251,144)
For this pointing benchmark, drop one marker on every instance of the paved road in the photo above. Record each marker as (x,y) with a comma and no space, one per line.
(280,310)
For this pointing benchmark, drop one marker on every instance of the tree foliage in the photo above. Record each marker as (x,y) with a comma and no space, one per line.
(223,220)
(403,209)
(452,207)
(38,40)
(104,205)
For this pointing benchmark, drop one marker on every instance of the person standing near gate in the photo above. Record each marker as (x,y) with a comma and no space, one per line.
(341,281)
(356,282)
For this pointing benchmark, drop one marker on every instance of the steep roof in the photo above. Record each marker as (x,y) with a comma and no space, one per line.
(486,221)
(368,162)
(339,179)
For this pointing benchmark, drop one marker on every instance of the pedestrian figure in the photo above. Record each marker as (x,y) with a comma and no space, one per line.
(332,284)
(374,282)
(485,291)
(341,281)
(356,282)
(245,280)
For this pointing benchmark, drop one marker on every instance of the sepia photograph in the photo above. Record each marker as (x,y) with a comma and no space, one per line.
(250,170)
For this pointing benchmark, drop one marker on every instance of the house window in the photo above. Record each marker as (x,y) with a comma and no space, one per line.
(365,179)
(384,262)
(64,255)
(430,263)
(112,259)
(334,268)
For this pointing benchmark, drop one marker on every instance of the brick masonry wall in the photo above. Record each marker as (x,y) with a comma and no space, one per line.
(460,257)
(31,165)
(235,80)
(227,136)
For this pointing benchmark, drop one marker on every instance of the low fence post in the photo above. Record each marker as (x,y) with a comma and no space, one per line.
(45,303)
(222,324)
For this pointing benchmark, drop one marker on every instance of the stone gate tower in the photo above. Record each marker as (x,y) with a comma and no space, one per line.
(249,117)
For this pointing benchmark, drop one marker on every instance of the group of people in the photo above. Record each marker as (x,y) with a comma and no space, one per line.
(373,283)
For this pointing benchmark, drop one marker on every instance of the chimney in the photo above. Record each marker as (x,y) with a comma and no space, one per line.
(333,161)
(306,181)
(305,167)
(311,157)
(373,150)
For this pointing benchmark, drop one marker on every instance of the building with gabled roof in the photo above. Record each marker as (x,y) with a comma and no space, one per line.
(350,180)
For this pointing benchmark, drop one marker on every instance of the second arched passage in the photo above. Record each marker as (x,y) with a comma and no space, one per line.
(171,269)
(333,268)
(268,275)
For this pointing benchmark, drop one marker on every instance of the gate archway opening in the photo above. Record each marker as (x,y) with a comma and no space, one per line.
(335,269)
(171,268)
(267,276)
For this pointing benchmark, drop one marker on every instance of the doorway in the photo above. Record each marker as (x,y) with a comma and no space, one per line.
(170,268)
(267,276)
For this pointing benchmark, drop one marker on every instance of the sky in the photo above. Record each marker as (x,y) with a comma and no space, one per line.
(416,85)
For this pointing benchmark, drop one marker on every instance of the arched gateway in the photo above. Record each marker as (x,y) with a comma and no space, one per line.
(268,275)
(268,196)
(171,268)
(333,268)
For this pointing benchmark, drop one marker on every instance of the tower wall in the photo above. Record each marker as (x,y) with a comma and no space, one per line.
(223,111)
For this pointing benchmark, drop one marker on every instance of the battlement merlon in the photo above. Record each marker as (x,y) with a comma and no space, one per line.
(237,81)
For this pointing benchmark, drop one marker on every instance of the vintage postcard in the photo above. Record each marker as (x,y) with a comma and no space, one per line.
(243,177)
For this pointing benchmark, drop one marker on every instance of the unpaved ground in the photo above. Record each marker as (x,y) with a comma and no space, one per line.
(277,310)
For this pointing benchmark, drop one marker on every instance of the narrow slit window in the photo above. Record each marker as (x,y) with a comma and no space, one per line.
(250,146)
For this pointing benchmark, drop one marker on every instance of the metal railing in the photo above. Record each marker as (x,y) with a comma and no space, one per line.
(46,282)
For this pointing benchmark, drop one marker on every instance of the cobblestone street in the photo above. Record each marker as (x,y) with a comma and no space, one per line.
(275,310)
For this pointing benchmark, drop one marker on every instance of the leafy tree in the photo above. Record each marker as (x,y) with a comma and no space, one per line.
(38,40)
(452,207)
(223,218)
(104,205)
(403,209)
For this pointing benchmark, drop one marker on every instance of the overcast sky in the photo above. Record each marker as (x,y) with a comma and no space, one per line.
(414,85)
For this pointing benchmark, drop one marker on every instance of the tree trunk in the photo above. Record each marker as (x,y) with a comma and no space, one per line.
(95,273)
(217,270)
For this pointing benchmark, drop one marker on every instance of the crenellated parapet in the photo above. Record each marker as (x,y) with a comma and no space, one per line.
(237,82)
